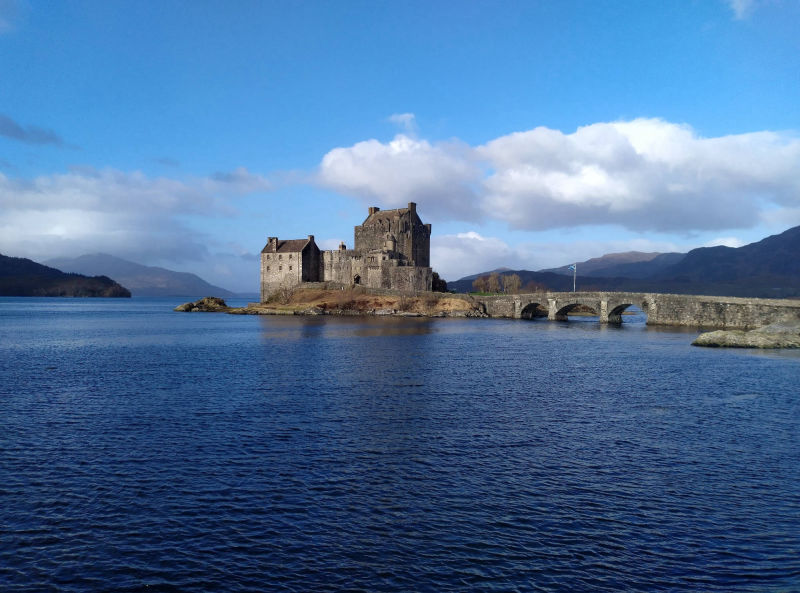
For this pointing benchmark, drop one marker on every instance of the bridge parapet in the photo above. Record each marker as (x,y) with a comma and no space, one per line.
(661,309)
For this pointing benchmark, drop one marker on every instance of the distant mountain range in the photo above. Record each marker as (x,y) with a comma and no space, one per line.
(767,268)
(24,277)
(630,264)
(141,280)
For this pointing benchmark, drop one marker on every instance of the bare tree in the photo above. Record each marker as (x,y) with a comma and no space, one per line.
(480,284)
(535,287)
(493,283)
(512,283)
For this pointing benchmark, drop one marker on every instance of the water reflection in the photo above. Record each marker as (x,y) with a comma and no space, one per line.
(294,327)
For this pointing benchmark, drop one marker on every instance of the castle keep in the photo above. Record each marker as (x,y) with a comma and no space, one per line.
(391,250)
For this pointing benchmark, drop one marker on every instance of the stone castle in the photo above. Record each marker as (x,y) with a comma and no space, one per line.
(392,250)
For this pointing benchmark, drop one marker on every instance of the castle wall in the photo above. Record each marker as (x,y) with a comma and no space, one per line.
(421,245)
(411,279)
(280,270)
(392,251)
(411,235)
(340,266)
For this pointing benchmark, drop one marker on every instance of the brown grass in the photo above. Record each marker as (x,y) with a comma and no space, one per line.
(360,299)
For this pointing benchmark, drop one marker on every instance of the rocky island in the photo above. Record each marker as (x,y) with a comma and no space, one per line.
(358,300)
(775,335)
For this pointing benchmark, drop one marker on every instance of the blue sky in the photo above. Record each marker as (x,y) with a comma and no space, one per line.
(530,134)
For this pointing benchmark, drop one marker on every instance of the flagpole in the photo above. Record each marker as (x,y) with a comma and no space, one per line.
(574,275)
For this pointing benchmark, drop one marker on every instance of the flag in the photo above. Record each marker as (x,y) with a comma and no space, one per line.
(572,267)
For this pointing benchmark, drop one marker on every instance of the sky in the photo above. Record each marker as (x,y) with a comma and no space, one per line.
(530,134)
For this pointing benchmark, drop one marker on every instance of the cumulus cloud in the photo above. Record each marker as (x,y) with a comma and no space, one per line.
(646,174)
(442,176)
(643,174)
(125,213)
(462,254)
(28,134)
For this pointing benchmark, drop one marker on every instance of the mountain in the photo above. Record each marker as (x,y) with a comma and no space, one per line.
(24,277)
(141,280)
(768,268)
(628,264)
(638,269)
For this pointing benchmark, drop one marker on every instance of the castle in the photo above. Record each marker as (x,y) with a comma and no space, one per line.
(392,250)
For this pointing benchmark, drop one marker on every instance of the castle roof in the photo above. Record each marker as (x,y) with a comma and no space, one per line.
(286,246)
(386,215)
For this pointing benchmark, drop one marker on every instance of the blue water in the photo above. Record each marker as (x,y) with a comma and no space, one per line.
(146,450)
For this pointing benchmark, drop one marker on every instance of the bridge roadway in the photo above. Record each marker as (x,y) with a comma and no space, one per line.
(661,309)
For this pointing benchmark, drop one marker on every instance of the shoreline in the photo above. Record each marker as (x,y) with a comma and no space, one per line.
(348,302)
(359,301)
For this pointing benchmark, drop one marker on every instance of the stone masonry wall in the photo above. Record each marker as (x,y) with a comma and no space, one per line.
(661,309)
(279,269)
(720,312)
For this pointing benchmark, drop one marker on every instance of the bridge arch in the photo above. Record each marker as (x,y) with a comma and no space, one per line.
(615,313)
(533,310)
(560,312)
(616,306)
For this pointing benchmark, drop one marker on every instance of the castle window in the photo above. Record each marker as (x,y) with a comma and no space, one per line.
(290,257)
(290,268)
(267,268)
(267,258)
(280,257)
(280,268)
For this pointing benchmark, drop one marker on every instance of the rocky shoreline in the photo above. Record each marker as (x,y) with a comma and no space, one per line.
(354,302)
(348,303)
(775,335)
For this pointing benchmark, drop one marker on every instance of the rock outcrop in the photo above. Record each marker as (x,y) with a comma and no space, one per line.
(775,335)
(205,305)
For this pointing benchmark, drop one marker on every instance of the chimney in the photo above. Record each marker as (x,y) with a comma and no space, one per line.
(273,243)
(373,210)
(412,207)
(311,238)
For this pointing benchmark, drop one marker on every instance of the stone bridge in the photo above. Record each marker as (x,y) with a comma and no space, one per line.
(661,309)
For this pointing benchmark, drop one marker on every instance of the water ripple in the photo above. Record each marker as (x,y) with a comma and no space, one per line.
(160,452)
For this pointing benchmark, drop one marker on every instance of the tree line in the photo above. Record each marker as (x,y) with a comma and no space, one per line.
(508,283)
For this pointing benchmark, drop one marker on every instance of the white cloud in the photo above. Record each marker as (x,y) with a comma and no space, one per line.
(406,121)
(643,175)
(124,213)
(463,254)
(724,241)
(456,256)
(442,176)
(741,8)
